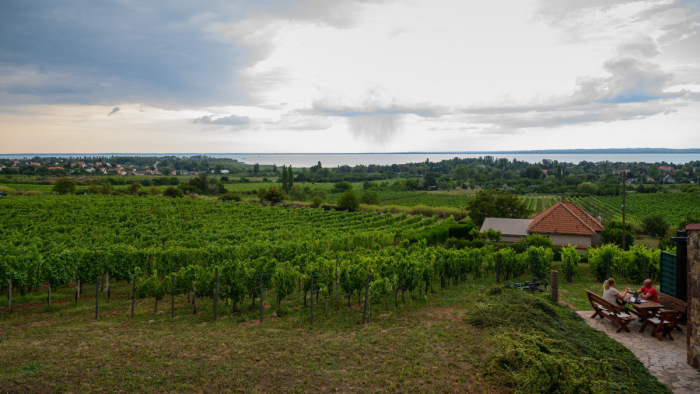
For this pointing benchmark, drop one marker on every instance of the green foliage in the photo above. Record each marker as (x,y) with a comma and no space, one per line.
(348,200)
(540,259)
(341,187)
(273,194)
(64,186)
(612,234)
(498,204)
(587,188)
(173,192)
(570,259)
(655,225)
(604,260)
(230,197)
(369,197)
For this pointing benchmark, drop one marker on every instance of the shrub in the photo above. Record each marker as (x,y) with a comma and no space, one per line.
(274,194)
(348,200)
(369,197)
(173,192)
(230,197)
(64,186)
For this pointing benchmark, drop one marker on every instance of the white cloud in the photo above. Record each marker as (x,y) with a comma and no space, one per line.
(371,75)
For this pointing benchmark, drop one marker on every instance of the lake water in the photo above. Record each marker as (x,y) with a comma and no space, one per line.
(353,159)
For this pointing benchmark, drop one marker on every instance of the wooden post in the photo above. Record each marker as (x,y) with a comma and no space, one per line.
(108,290)
(498,268)
(133,294)
(312,299)
(261,298)
(77,292)
(97,295)
(48,300)
(216,292)
(172,298)
(9,296)
(554,283)
(364,311)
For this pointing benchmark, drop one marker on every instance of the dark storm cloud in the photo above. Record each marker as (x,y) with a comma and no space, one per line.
(153,51)
(150,51)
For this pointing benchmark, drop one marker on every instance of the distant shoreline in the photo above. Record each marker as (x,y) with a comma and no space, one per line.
(477,152)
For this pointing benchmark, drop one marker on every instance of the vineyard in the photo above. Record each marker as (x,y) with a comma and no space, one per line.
(182,245)
(203,248)
(675,207)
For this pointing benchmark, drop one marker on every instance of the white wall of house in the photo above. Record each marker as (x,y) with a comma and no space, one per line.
(580,241)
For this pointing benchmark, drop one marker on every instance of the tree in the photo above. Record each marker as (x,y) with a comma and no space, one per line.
(369,197)
(64,186)
(497,204)
(348,200)
(340,187)
(430,180)
(612,234)
(460,172)
(587,188)
(655,225)
(532,172)
(273,194)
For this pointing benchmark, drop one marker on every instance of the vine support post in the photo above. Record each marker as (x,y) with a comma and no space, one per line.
(261,297)
(77,292)
(608,267)
(364,311)
(172,298)
(97,295)
(133,294)
(644,268)
(312,299)
(498,268)
(9,296)
(216,292)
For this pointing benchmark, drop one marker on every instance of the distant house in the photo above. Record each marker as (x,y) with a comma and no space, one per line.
(668,179)
(564,223)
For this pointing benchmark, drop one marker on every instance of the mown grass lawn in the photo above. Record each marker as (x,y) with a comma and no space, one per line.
(447,341)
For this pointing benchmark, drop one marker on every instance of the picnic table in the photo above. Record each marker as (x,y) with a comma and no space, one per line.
(648,311)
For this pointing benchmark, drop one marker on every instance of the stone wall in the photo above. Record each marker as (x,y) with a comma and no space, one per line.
(693,231)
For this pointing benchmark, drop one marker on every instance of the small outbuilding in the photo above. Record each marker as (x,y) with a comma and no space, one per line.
(512,230)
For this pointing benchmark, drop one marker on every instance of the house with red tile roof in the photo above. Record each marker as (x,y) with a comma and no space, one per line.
(564,223)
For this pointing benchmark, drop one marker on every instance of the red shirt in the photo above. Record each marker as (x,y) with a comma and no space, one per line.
(650,291)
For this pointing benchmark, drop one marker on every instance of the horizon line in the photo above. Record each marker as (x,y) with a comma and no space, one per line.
(530,151)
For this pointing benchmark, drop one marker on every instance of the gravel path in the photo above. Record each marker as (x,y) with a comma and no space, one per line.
(666,359)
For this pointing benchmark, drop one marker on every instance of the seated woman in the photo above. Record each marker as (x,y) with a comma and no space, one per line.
(611,294)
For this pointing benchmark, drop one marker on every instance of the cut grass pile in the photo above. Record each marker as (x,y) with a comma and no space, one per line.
(466,338)
(543,348)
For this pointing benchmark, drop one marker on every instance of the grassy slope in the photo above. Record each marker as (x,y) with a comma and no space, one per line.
(435,344)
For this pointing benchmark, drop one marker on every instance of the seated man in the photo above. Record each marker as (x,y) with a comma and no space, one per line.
(648,291)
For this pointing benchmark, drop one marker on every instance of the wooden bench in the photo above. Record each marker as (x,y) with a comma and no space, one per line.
(605,309)
(674,303)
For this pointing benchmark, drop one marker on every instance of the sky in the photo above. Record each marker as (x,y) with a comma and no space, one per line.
(216,76)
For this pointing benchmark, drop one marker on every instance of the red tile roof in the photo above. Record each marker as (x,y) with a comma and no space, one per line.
(565,217)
